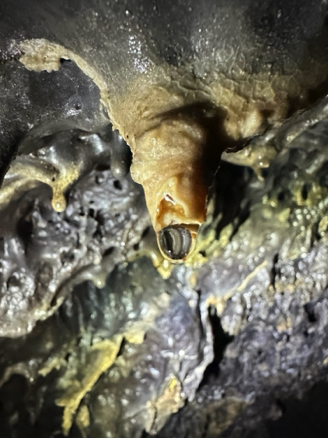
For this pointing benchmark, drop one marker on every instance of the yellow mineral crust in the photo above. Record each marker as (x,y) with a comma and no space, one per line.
(40,54)
(57,178)
(88,362)
(173,182)
(170,400)
(101,357)
(172,144)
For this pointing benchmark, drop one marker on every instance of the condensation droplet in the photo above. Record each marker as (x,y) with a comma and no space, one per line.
(175,241)
(58,202)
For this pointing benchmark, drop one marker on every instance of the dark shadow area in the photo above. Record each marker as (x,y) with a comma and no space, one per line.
(305,418)
(228,189)
(18,421)
(220,341)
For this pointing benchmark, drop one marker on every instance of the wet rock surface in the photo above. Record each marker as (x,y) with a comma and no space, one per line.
(277,310)
(96,342)
(100,336)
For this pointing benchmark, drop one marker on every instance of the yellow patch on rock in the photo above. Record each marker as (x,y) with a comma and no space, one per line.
(169,401)
(42,55)
(101,356)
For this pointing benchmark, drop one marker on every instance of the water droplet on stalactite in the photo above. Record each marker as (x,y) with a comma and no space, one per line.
(58,201)
(175,241)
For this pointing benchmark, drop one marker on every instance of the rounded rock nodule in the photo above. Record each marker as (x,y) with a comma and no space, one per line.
(175,241)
